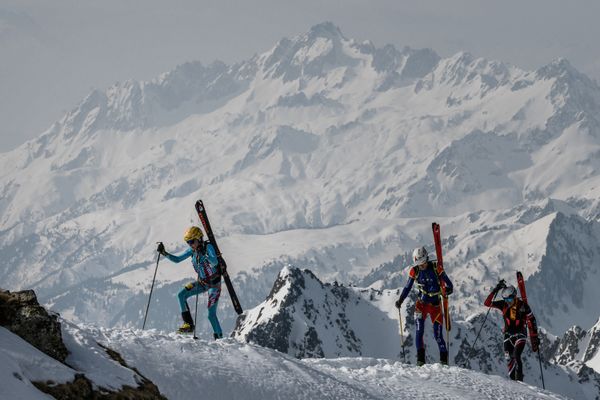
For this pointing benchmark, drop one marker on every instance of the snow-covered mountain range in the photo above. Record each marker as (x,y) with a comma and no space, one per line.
(325,153)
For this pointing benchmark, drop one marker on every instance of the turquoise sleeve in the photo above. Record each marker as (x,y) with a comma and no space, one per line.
(181,257)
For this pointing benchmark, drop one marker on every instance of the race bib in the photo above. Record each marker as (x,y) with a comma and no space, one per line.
(513,313)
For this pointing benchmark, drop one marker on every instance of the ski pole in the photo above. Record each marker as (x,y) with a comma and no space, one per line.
(401,335)
(196,312)
(540,360)
(151,289)
(486,315)
(447,323)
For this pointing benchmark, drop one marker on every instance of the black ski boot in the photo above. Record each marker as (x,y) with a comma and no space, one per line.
(444,358)
(188,323)
(420,357)
(218,336)
(519,376)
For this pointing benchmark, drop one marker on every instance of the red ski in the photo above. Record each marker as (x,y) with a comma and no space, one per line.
(521,283)
(440,268)
(530,328)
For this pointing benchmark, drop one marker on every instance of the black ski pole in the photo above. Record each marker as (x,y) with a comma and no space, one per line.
(196,312)
(540,360)
(151,289)
(486,315)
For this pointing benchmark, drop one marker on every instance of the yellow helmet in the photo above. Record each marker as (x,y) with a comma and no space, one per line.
(192,233)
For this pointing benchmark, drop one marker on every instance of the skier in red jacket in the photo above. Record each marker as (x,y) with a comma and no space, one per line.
(517,318)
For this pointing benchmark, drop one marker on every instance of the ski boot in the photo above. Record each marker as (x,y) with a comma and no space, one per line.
(444,358)
(218,336)
(186,328)
(188,323)
(420,357)
(519,376)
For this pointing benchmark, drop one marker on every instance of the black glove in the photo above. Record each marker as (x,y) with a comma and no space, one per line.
(398,303)
(501,285)
(449,291)
(535,343)
(161,249)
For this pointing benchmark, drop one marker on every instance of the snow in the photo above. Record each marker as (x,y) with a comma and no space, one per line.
(21,363)
(182,368)
(87,356)
(321,46)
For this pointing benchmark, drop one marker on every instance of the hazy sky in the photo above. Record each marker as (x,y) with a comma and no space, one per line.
(53,52)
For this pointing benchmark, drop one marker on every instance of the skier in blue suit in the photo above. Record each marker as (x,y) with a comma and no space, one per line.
(205,263)
(426,275)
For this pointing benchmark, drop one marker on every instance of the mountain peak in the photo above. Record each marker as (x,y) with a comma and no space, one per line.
(325,30)
(559,68)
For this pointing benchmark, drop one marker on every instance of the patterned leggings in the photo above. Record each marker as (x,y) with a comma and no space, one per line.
(514,343)
(197,288)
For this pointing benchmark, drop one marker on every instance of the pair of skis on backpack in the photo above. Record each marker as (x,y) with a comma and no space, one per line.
(201,210)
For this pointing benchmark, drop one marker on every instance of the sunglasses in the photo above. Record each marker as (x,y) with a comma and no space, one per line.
(191,242)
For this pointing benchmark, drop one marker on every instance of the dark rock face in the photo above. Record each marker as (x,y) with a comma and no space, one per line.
(593,345)
(569,348)
(275,333)
(21,314)
(82,388)
(568,345)
(288,301)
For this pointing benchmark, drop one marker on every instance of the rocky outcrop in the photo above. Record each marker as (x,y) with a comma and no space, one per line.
(21,314)
(297,316)
(82,388)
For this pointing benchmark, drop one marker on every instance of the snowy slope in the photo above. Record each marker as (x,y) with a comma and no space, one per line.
(227,369)
(119,360)
(22,364)
(324,152)
(303,317)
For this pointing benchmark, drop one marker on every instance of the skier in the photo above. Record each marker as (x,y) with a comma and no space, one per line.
(425,273)
(205,263)
(516,315)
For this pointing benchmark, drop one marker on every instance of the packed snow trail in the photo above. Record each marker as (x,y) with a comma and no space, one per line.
(184,368)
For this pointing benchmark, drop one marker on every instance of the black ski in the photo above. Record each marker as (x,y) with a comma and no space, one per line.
(222,264)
